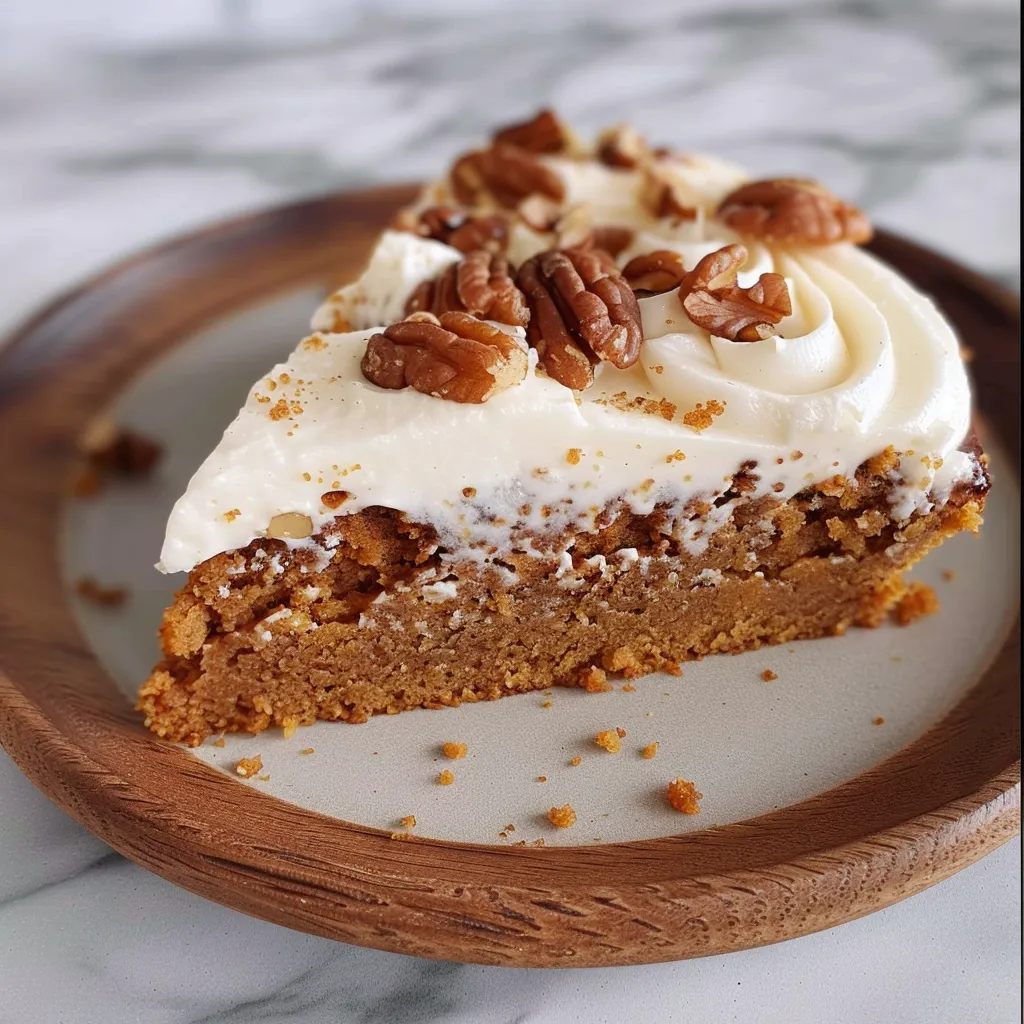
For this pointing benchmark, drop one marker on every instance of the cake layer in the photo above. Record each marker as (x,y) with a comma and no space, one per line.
(269,636)
(588,409)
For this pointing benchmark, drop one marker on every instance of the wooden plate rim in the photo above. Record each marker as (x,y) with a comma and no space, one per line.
(892,831)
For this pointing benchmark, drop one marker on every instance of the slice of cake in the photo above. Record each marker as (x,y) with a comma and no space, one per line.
(588,408)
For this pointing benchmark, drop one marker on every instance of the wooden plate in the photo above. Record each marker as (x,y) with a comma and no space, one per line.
(934,807)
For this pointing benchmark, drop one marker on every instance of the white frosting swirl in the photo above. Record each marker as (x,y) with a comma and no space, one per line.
(863,362)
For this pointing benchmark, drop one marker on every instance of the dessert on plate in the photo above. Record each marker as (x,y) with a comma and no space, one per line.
(590,409)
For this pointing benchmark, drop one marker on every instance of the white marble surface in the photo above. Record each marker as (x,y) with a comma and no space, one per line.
(122,123)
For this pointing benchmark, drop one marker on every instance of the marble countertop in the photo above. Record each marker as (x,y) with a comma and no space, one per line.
(119,128)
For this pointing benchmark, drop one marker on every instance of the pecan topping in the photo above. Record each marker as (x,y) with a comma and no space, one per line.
(539,214)
(543,133)
(505,173)
(455,356)
(479,284)
(792,211)
(657,271)
(660,195)
(713,300)
(458,229)
(609,237)
(622,146)
(582,311)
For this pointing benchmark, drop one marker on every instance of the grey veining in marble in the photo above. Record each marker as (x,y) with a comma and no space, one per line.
(122,123)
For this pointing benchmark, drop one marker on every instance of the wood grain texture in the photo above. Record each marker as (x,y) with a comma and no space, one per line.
(926,812)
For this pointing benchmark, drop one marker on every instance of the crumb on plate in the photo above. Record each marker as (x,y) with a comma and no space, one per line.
(247,767)
(561,817)
(683,796)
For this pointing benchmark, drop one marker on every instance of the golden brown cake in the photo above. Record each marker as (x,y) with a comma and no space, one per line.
(589,410)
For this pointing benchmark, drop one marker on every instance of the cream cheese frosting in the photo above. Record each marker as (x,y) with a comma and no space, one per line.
(864,362)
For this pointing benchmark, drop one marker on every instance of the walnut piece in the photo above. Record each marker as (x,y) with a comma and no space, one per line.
(294,525)
(658,271)
(792,211)
(456,228)
(622,146)
(504,173)
(582,311)
(479,284)
(454,356)
(543,133)
(660,196)
(713,300)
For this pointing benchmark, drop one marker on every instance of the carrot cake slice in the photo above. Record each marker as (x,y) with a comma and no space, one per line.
(590,407)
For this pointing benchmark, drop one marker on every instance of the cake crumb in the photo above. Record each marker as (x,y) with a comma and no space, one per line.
(919,600)
(594,680)
(702,415)
(289,727)
(262,778)
(629,688)
(683,796)
(104,597)
(540,842)
(231,515)
(113,451)
(455,751)
(672,668)
(948,575)
(768,675)
(307,750)
(573,456)
(610,740)
(446,778)
(561,817)
(400,836)
(247,767)
(409,821)
(878,721)
(676,456)
(86,483)
(220,742)
(650,751)
(542,778)
(547,704)
(575,762)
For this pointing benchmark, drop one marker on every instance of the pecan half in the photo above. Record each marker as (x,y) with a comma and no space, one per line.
(505,173)
(793,211)
(582,311)
(543,133)
(479,284)
(622,146)
(458,229)
(713,300)
(456,357)
(660,195)
(657,271)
